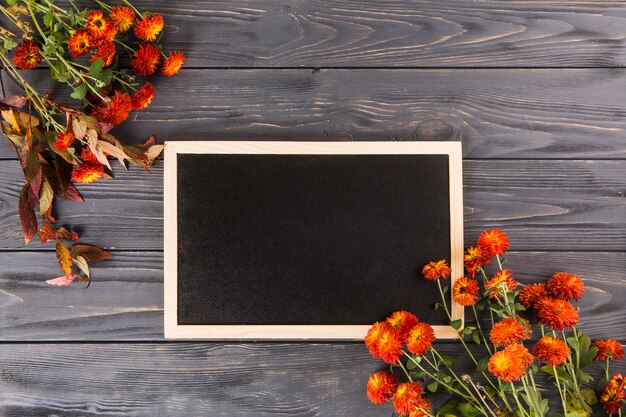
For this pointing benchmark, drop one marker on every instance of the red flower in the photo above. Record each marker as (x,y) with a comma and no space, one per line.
(557,314)
(551,350)
(148,28)
(493,242)
(614,395)
(122,17)
(64,139)
(146,59)
(408,398)
(89,170)
(97,24)
(465,291)
(530,294)
(511,363)
(474,258)
(381,386)
(608,350)
(420,338)
(27,55)
(143,97)
(80,43)
(104,50)
(434,270)
(508,331)
(500,283)
(173,63)
(115,111)
(402,322)
(566,286)
(383,342)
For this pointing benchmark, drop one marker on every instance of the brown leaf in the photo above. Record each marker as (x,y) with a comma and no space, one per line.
(46,196)
(90,253)
(113,150)
(31,165)
(154,152)
(65,234)
(13,101)
(27,215)
(46,233)
(80,128)
(81,263)
(64,258)
(61,281)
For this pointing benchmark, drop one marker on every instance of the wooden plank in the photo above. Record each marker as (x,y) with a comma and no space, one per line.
(198,379)
(496,113)
(543,205)
(125,300)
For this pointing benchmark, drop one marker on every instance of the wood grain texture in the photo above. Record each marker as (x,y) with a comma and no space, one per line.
(496,113)
(543,205)
(125,301)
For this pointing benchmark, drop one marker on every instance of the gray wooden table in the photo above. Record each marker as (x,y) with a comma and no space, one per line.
(535,90)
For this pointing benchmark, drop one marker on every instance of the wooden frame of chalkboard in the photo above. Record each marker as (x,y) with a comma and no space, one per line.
(243,331)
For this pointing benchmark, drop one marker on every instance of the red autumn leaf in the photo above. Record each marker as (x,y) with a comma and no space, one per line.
(65,234)
(90,253)
(27,214)
(64,257)
(61,281)
(32,168)
(46,233)
(13,102)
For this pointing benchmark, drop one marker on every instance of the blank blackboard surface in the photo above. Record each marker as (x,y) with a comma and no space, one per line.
(315,239)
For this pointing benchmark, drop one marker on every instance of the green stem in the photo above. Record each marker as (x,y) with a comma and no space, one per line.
(480,329)
(561,392)
(519,405)
(405,370)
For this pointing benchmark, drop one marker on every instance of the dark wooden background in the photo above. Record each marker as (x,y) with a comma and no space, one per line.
(536,90)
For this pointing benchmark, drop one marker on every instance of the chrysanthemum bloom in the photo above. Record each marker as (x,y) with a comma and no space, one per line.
(381,386)
(566,286)
(87,156)
(80,42)
(115,111)
(97,24)
(465,291)
(122,18)
(557,314)
(474,258)
(402,321)
(493,242)
(148,28)
(551,350)
(422,410)
(434,270)
(89,170)
(383,342)
(608,350)
(64,139)
(142,98)
(105,51)
(420,338)
(500,283)
(614,394)
(531,294)
(541,302)
(27,55)
(372,337)
(173,63)
(508,331)
(408,398)
(511,363)
(146,59)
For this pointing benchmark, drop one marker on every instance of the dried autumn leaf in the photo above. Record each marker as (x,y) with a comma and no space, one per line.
(81,263)
(46,233)
(31,165)
(46,196)
(153,152)
(13,101)
(92,141)
(90,253)
(80,128)
(61,281)
(113,150)
(64,257)
(64,234)
(27,215)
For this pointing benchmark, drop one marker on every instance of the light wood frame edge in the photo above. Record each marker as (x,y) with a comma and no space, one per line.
(298,332)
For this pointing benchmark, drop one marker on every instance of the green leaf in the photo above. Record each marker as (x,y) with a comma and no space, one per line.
(589,396)
(456,324)
(79,92)
(476,337)
(48,18)
(447,359)
(467,410)
(432,387)
(448,409)
(482,364)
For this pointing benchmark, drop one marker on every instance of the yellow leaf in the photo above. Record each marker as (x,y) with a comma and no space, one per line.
(64,257)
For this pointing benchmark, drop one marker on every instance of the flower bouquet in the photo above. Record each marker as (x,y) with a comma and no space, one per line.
(59,144)
(505,362)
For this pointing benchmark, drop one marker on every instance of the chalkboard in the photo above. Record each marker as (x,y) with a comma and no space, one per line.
(307,240)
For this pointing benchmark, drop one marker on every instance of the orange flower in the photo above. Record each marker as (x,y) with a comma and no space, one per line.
(465,291)
(551,350)
(474,258)
(104,50)
(122,18)
(148,28)
(422,409)
(608,350)
(508,331)
(420,338)
(500,283)
(402,322)
(566,286)
(614,394)
(408,398)
(80,43)
(557,314)
(372,337)
(27,55)
(173,63)
(115,111)
(383,342)
(97,24)
(493,242)
(143,97)
(381,386)
(89,170)
(531,294)
(541,302)
(511,363)
(146,59)
(87,156)
(434,270)
(64,139)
